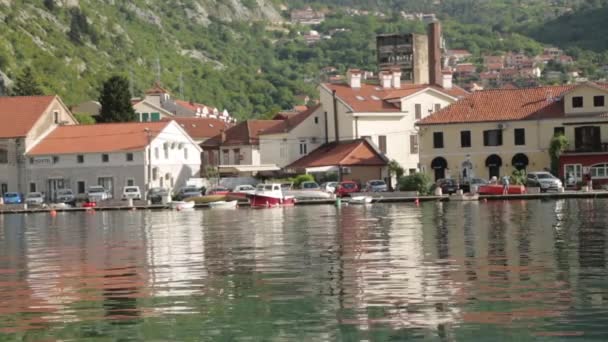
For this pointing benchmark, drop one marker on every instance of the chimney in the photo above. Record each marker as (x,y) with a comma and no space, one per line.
(353,77)
(385,79)
(222,136)
(396,77)
(434,35)
(447,80)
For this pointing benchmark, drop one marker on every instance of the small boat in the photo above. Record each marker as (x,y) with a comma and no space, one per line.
(223,204)
(270,196)
(360,200)
(180,205)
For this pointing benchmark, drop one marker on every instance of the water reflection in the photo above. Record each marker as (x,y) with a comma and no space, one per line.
(443,271)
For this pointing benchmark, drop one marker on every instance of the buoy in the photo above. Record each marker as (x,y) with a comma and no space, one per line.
(417,201)
(53,213)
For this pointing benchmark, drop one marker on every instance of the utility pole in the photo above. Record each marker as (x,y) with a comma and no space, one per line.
(149,161)
(157,67)
(181,85)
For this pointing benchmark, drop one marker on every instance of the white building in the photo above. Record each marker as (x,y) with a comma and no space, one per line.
(296,136)
(27,119)
(153,154)
(385,113)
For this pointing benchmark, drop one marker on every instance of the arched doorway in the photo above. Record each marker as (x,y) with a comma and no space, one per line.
(467,171)
(439,164)
(520,161)
(493,163)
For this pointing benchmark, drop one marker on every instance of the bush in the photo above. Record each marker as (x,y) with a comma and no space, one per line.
(519,177)
(417,182)
(298,180)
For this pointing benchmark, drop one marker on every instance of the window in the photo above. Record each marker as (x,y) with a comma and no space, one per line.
(438,139)
(598,101)
(559,131)
(303,147)
(166,151)
(237,156)
(412,171)
(418,107)
(156,153)
(492,137)
(32,187)
(3,156)
(382,143)
(577,102)
(465,138)
(81,187)
(144,117)
(154,116)
(55,159)
(105,158)
(520,136)
(155,173)
(437,107)
(80,159)
(413,144)
(129,157)
(316,119)
(186,153)
(56,117)
(599,171)
(226,157)
(130,182)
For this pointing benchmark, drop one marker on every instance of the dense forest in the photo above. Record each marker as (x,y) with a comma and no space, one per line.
(252,64)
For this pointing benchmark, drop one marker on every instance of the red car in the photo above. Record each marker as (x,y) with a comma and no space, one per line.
(346,188)
(218,191)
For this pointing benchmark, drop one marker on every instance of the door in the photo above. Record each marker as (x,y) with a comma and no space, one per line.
(494,171)
(107,183)
(3,188)
(573,173)
(54,184)
(439,174)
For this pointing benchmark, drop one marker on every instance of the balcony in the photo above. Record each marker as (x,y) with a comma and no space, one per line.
(586,149)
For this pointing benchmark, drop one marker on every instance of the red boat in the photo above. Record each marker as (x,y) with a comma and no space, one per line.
(270,196)
(496,189)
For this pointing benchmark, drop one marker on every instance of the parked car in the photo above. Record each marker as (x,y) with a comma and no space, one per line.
(65,196)
(329,187)
(155,195)
(448,186)
(189,191)
(97,193)
(474,183)
(12,198)
(544,180)
(345,188)
(34,198)
(244,189)
(310,185)
(217,190)
(131,192)
(376,185)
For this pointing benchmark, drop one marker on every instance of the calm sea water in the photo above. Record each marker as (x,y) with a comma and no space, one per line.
(490,271)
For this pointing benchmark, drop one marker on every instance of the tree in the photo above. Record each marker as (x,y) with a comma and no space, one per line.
(84,119)
(26,84)
(417,182)
(394,169)
(559,143)
(115,101)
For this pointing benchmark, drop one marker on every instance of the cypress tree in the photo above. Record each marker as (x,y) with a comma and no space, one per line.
(115,100)
(26,84)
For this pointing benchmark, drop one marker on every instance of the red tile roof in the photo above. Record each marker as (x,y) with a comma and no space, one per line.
(244,133)
(372,98)
(19,114)
(345,153)
(291,121)
(201,128)
(112,137)
(504,105)
(156,89)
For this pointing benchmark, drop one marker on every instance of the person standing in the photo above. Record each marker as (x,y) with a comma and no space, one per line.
(505,185)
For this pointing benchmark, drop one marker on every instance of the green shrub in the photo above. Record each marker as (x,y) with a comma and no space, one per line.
(518,177)
(298,180)
(417,182)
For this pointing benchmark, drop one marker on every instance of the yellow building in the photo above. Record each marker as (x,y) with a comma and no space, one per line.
(494,132)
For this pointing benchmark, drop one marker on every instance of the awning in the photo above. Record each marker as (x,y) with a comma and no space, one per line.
(493,161)
(247,168)
(520,161)
(439,163)
(322,169)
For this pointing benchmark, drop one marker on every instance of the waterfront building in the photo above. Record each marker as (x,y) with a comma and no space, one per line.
(295,136)
(494,132)
(26,120)
(236,151)
(151,154)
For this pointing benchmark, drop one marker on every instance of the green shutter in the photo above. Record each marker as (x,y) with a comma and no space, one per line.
(144,117)
(155,117)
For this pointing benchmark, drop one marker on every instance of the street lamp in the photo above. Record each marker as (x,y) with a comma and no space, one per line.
(149,161)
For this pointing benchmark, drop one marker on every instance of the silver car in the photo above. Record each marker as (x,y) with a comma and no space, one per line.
(544,180)
(34,199)
(376,185)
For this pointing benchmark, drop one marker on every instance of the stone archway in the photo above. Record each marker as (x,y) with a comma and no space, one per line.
(439,164)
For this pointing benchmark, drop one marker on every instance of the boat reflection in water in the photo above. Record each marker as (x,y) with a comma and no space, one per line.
(440,271)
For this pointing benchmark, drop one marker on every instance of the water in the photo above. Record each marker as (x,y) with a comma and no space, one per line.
(492,271)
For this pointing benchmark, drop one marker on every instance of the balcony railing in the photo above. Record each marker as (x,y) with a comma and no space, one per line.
(602,148)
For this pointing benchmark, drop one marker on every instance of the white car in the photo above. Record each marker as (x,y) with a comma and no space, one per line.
(131,192)
(97,193)
(244,189)
(329,187)
(34,198)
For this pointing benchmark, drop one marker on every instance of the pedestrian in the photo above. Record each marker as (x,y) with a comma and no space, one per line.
(505,185)
(589,181)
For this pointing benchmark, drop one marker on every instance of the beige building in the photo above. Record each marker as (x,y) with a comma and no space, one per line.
(385,113)
(494,132)
(27,120)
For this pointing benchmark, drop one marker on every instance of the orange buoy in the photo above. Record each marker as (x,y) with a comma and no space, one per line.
(417,201)
(53,213)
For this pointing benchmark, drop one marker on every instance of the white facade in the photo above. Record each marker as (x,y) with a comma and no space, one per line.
(175,158)
(393,132)
(282,149)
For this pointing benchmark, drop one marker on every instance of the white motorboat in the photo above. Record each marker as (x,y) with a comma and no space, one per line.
(361,200)
(180,205)
(223,204)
